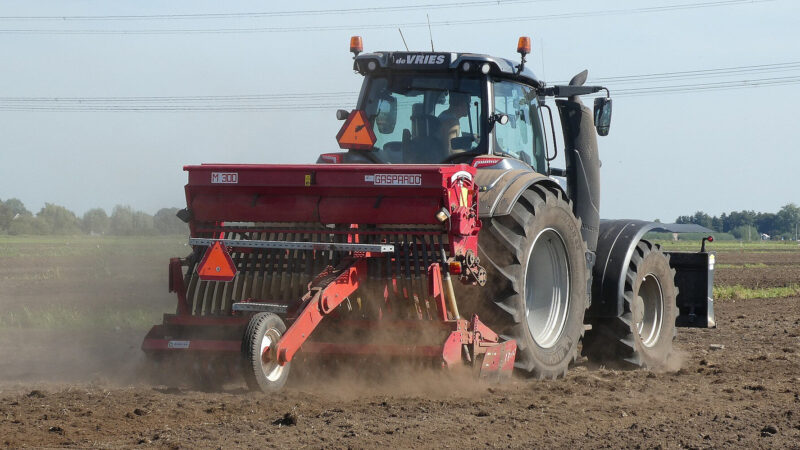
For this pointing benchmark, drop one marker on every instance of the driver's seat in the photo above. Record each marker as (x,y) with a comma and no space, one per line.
(422,144)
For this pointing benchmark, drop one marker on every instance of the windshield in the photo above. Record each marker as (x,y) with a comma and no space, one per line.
(424,119)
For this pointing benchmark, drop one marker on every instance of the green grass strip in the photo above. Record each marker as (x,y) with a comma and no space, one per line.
(742,266)
(739,292)
(71,318)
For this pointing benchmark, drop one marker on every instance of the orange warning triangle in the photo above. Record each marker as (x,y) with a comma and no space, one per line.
(217,264)
(356,133)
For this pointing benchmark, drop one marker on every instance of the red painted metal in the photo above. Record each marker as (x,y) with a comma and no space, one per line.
(320,300)
(176,285)
(186,319)
(194,345)
(353,202)
(429,351)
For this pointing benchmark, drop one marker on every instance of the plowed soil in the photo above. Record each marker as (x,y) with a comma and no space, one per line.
(737,385)
(773,269)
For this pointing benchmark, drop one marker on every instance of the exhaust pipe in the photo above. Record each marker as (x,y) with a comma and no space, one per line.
(582,162)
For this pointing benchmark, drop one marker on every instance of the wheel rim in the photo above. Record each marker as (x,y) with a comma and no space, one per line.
(650,314)
(269,365)
(547,288)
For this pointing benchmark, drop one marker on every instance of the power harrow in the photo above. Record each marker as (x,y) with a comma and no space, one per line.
(327,260)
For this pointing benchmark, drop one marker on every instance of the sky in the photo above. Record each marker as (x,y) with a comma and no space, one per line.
(671,151)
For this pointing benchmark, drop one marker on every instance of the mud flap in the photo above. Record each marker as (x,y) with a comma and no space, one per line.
(473,342)
(498,362)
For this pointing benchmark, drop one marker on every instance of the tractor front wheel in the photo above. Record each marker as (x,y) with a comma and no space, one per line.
(537,276)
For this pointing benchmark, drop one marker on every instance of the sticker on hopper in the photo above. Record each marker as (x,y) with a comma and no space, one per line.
(224,178)
(394,179)
(178,344)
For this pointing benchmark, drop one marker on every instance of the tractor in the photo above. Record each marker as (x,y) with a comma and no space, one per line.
(439,232)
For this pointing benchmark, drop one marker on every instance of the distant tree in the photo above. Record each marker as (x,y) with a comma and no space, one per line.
(58,219)
(122,220)
(765,222)
(739,218)
(716,223)
(10,209)
(27,224)
(166,222)
(95,221)
(746,233)
(143,223)
(699,218)
(787,219)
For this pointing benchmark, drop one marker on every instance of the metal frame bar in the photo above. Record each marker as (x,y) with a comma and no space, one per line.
(284,245)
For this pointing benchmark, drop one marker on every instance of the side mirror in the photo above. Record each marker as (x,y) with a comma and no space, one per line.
(602,115)
(386,117)
(341,114)
(500,118)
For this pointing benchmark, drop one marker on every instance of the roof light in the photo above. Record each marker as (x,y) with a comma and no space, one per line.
(356,46)
(372,65)
(466,66)
(523,45)
(485,68)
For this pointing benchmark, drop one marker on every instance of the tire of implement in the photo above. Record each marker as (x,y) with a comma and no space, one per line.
(642,336)
(536,260)
(260,375)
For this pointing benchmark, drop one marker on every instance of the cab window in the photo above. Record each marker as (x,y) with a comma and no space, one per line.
(521,137)
(424,118)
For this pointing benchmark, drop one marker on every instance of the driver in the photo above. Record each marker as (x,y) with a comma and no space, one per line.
(449,119)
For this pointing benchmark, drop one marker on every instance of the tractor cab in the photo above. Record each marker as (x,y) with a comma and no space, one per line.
(444,108)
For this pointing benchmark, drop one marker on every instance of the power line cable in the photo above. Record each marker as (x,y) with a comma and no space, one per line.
(505,20)
(622,92)
(307,12)
(347,95)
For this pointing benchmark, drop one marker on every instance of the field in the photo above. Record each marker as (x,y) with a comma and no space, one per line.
(73,312)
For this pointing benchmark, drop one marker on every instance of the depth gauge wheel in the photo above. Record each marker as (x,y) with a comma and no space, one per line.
(642,336)
(537,277)
(261,369)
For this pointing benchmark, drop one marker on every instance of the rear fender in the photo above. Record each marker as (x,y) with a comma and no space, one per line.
(694,274)
(615,246)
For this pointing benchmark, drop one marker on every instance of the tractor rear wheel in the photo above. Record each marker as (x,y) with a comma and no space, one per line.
(642,336)
(535,259)
(261,369)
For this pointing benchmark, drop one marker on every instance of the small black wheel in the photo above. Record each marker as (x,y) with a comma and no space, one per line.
(642,336)
(261,369)
(537,278)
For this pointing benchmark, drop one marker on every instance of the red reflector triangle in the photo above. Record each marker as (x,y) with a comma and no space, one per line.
(217,264)
(356,133)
